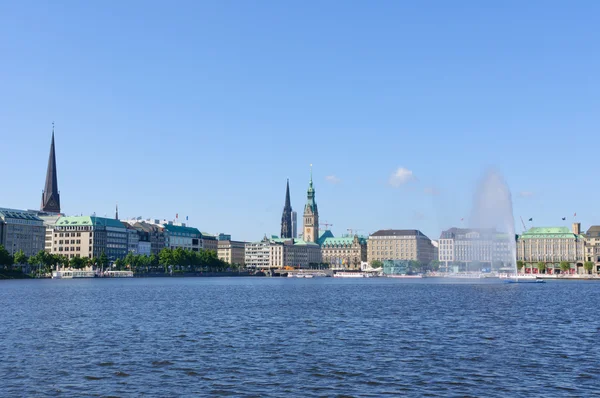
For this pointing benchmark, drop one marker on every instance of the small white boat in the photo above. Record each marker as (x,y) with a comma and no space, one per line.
(70,274)
(118,274)
(350,274)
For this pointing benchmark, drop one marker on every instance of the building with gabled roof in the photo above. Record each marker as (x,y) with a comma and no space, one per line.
(345,253)
(592,247)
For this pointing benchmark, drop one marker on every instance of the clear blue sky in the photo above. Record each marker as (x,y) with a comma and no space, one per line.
(205,108)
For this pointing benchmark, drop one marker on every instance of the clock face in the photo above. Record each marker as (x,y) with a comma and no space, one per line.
(308,233)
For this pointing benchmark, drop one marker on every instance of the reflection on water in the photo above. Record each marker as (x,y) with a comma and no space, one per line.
(282,337)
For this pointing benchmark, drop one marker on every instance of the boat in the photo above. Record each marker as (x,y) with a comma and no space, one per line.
(70,274)
(405,276)
(118,274)
(524,279)
(351,274)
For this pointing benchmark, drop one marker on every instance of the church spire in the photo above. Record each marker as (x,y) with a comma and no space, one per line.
(286,217)
(117,212)
(51,196)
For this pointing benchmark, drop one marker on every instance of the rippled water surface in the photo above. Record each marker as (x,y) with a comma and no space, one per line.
(294,337)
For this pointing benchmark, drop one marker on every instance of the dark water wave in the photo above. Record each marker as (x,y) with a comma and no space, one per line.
(280,337)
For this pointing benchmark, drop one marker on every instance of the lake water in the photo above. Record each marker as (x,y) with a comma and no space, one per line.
(293,337)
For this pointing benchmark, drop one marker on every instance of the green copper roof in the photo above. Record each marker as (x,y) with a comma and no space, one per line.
(177,229)
(549,233)
(19,214)
(89,221)
(345,240)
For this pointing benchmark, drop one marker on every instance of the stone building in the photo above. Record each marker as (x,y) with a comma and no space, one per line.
(400,244)
(345,253)
(552,245)
(592,247)
(86,236)
(180,236)
(474,249)
(232,252)
(151,234)
(21,230)
(274,252)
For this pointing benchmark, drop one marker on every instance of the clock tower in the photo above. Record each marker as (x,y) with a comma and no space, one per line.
(311,214)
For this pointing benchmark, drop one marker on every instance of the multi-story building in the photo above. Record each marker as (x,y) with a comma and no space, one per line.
(185,237)
(50,221)
(295,253)
(21,230)
(275,252)
(152,233)
(85,236)
(258,254)
(133,238)
(144,248)
(592,247)
(552,246)
(345,253)
(232,252)
(473,249)
(209,242)
(400,244)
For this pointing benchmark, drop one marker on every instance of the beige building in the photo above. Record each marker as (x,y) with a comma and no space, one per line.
(279,253)
(232,252)
(592,247)
(400,244)
(209,242)
(345,253)
(552,245)
(89,237)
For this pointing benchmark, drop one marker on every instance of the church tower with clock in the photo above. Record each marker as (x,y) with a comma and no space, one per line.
(311,214)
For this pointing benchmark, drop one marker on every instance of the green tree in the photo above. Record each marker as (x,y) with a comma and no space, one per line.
(119,264)
(588,266)
(541,266)
(20,258)
(77,262)
(565,266)
(434,265)
(103,261)
(376,264)
(166,258)
(6,260)
(520,265)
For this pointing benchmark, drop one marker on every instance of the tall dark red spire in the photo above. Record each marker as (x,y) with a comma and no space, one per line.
(286,217)
(51,196)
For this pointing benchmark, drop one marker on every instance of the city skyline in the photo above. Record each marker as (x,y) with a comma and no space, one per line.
(399,136)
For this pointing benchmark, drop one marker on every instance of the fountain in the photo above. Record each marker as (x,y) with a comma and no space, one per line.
(493,212)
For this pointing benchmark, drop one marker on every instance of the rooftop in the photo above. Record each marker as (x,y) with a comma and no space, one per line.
(19,214)
(549,233)
(398,232)
(181,230)
(344,240)
(89,221)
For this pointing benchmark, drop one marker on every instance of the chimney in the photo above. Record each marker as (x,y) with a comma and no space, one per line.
(577,228)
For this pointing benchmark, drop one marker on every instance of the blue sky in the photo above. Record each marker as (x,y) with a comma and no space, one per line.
(205,108)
